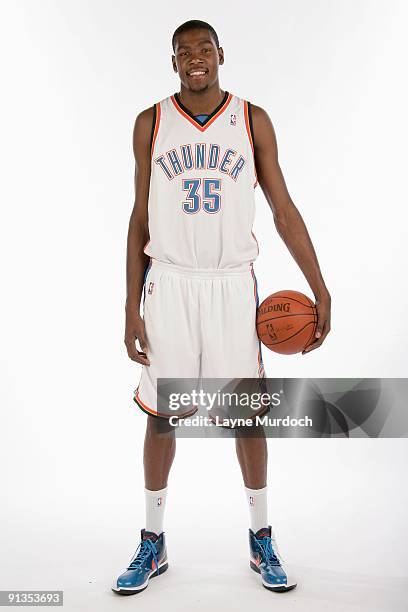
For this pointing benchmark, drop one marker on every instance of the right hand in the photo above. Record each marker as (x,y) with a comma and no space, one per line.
(135,330)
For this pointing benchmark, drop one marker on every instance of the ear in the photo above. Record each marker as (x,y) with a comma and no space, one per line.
(221,55)
(173,61)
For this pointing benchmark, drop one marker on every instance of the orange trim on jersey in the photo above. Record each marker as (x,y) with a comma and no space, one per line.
(146,408)
(248,129)
(156,127)
(202,128)
(142,405)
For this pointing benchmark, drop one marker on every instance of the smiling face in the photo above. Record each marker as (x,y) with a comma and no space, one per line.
(197,59)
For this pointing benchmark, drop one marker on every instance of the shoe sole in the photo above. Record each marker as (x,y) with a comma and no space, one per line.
(277,589)
(132,591)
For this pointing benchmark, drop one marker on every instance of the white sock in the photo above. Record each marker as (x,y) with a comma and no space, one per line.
(155,503)
(258,508)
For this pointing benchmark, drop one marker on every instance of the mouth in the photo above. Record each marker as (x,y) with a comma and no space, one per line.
(197,72)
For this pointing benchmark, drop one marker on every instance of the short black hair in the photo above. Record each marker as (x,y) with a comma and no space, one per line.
(194,24)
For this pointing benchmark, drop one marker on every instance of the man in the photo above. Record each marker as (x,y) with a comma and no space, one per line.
(199,155)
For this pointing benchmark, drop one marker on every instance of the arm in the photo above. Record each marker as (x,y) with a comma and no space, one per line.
(288,221)
(138,235)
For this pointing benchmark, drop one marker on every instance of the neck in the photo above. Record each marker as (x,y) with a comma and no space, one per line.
(201,102)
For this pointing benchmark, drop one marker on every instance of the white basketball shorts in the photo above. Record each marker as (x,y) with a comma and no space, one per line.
(199,324)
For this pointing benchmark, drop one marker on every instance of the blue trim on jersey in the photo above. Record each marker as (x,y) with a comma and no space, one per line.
(257,306)
(146,272)
(147,268)
(201,118)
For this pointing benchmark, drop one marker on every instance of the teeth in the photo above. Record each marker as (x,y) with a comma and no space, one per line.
(197,72)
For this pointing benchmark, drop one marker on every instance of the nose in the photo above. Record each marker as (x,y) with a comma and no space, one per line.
(195,59)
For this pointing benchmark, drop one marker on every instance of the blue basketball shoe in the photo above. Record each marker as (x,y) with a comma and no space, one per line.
(266,560)
(149,560)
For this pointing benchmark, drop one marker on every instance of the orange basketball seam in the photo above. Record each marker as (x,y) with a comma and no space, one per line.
(290,337)
(296,314)
(289,297)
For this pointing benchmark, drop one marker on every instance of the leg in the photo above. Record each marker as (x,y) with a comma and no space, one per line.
(252,453)
(169,319)
(158,453)
(265,557)
(150,558)
(231,349)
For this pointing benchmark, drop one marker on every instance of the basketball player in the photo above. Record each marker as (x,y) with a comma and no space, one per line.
(199,154)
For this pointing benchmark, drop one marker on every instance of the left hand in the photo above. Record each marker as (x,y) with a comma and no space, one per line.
(323,307)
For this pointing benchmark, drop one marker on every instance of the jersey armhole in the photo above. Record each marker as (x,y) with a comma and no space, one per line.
(251,127)
(250,132)
(155,126)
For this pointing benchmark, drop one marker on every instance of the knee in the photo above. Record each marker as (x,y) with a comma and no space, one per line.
(159,426)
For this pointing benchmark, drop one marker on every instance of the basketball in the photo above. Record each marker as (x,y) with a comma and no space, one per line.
(286,322)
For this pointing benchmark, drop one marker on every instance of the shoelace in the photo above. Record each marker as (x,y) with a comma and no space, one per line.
(146,547)
(266,547)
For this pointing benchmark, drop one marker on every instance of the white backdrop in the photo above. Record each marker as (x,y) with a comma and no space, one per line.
(74,76)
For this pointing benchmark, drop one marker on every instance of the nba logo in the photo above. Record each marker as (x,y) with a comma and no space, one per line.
(271,331)
(251,501)
(159,501)
(151,285)
(233,120)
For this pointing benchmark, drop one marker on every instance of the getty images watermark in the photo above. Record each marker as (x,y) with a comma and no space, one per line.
(211,401)
(282,407)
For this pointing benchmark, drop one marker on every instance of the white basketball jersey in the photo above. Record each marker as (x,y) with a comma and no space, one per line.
(203,176)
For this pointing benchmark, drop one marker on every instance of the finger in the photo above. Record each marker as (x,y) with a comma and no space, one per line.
(320,326)
(143,343)
(326,329)
(312,347)
(144,348)
(140,358)
(143,353)
(131,347)
(134,354)
(316,343)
